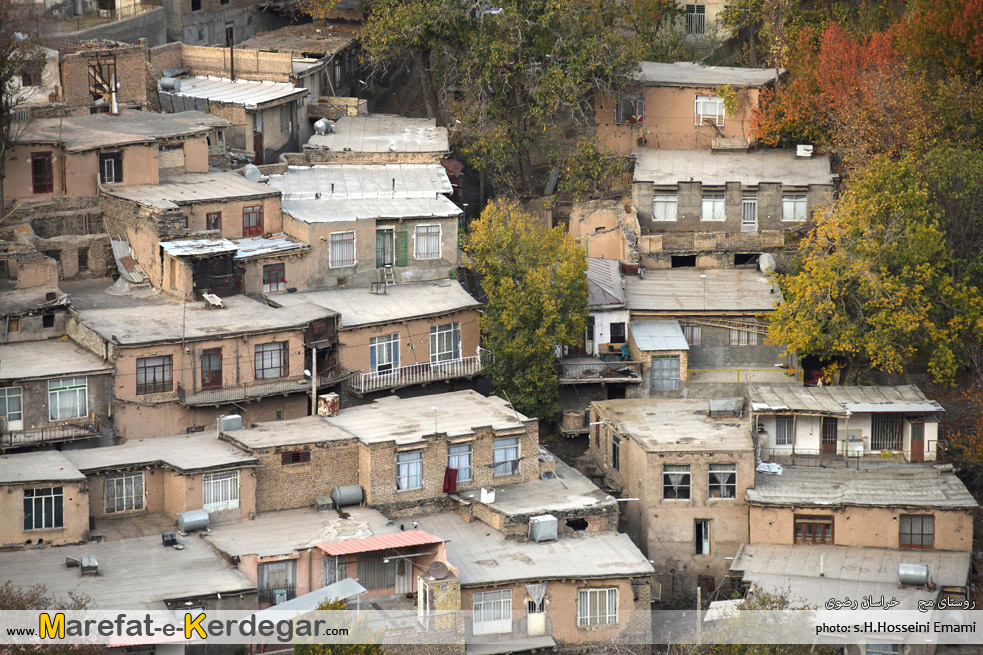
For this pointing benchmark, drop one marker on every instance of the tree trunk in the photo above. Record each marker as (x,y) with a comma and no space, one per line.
(426,84)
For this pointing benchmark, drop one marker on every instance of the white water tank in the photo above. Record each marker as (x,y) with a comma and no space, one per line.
(323,126)
(196,519)
(170,84)
(542,528)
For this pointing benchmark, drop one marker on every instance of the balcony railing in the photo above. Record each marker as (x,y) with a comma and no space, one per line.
(583,372)
(67,430)
(713,241)
(272,596)
(254,390)
(404,376)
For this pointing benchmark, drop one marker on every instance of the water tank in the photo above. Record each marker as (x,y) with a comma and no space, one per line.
(252,173)
(766,263)
(542,528)
(229,423)
(323,126)
(913,575)
(196,519)
(348,495)
(170,84)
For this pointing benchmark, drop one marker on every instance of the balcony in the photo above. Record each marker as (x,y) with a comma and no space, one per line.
(67,430)
(405,376)
(102,16)
(277,596)
(696,242)
(591,370)
(233,393)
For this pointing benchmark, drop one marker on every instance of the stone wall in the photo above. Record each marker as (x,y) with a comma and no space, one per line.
(131,72)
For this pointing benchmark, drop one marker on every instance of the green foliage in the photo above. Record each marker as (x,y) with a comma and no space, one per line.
(732,99)
(589,170)
(360,627)
(536,281)
(37,598)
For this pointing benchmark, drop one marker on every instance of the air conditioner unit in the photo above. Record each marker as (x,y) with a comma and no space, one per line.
(542,528)
(279,596)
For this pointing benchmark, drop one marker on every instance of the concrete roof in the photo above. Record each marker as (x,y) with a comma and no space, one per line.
(409,420)
(383,133)
(841,400)
(47,359)
(342,210)
(21,301)
(687,290)
(676,425)
(605,286)
(186,453)
(243,248)
(357,181)
(282,533)
(315,39)
(667,167)
(133,573)
(569,491)
(909,485)
(242,93)
(814,574)
(293,432)
(359,307)
(133,321)
(658,335)
(483,556)
(190,188)
(684,73)
(81,133)
(38,466)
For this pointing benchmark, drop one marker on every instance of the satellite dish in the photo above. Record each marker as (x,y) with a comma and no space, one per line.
(766,263)
(251,173)
(437,570)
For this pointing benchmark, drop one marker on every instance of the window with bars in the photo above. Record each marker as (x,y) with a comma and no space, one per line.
(885,431)
(271,360)
(11,407)
(597,606)
(917,531)
(722,481)
(274,277)
(696,16)
(629,110)
(277,581)
(692,333)
(709,110)
(675,482)
(43,508)
(459,457)
(426,242)
(743,337)
(213,221)
(445,342)
(784,430)
(506,456)
(814,529)
(295,457)
(42,172)
(342,249)
(220,491)
(794,207)
(376,573)
(664,206)
(67,398)
(713,207)
(155,374)
(124,492)
(492,612)
(409,470)
(252,221)
(110,167)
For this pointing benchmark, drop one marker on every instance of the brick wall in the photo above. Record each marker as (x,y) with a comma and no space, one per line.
(249,64)
(131,73)
(287,486)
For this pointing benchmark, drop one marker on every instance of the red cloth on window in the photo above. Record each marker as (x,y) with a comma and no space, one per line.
(450,481)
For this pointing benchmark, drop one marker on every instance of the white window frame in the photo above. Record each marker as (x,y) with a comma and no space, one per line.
(52,512)
(665,207)
(717,204)
(220,491)
(129,492)
(506,456)
(460,457)
(741,338)
(409,470)
(795,207)
(445,342)
(704,536)
(275,359)
(7,396)
(342,242)
(491,612)
(597,606)
(70,394)
(784,429)
(387,344)
(637,110)
(706,106)
(420,242)
(728,485)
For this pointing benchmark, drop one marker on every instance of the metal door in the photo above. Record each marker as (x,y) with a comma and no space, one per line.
(665,372)
(404,577)
(918,442)
(749,214)
(829,436)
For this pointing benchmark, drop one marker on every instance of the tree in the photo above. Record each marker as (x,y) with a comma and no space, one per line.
(536,281)
(13,597)
(359,627)
(880,282)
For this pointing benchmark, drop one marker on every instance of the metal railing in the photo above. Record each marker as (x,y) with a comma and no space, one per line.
(253,390)
(600,371)
(67,430)
(853,454)
(271,596)
(404,376)
(711,241)
(696,23)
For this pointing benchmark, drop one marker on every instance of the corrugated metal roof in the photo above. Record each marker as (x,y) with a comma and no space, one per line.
(244,93)
(665,167)
(841,400)
(357,181)
(243,248)
(197,247)
(326,211)
(187,188)
(701,290)
(381,542)
(658,335)
(684,73)
(605,286)
(383,133)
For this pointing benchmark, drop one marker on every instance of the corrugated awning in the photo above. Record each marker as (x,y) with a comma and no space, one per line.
(382,542)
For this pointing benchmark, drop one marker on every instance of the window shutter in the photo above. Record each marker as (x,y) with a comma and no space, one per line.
(402,240)
(379,249)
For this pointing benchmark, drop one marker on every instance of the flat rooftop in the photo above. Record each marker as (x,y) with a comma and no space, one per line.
(137,321)
(814,574)
(676,425)
(484,556)
(319,39)
(244,248)
(20,301)
(362,181)
(569,491)
(383,133)
(409,420)
(911,485)
(38,466)
(702,290)
(242,93)
(282,533)
(293,432)
(185,453)
(344,210)
(27,360)
(359,307)
(666,167)
(190,188)
(605,286)
(133,573)
(81,133)
(841,400)
(684,73)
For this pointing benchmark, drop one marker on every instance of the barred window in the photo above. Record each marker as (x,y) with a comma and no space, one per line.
(124,493)
(43,508)
(426,242)
(220,491)
(271,360)
(722,481)
(154,374)
(885,431)
(597,606)
(675,482)
(342,249)
(376,573)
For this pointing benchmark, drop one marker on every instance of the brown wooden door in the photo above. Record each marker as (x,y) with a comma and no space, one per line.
(258,149)
(211,368)
(918,442)
(829,436)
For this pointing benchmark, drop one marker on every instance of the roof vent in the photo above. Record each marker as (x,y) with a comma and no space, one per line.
(803,151)
(90,565)
(542,528)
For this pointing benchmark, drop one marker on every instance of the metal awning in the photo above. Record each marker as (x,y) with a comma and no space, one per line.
(381,542)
